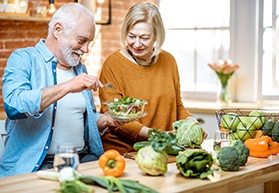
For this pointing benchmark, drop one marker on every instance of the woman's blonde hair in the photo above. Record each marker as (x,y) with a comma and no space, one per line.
(148,13)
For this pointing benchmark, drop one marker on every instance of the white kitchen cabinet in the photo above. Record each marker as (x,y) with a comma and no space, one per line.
(209,123)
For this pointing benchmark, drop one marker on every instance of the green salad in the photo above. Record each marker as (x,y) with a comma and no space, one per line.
(127,108)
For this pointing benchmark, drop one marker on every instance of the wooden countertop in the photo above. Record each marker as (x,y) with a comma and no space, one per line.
(256,171)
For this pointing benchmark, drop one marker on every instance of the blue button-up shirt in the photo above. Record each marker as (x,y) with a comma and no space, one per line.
(29,131)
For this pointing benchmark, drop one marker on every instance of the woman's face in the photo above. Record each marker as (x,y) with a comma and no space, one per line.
(140,40)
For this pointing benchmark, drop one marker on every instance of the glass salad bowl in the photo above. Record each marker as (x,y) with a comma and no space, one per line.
(126,109)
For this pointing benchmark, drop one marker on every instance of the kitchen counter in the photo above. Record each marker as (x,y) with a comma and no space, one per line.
(210,107)
(256,171)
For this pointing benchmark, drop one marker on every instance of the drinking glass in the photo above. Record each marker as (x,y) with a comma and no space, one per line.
(66,156)
(221,139)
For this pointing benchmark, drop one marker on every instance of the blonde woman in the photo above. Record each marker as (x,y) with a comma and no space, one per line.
(141,69)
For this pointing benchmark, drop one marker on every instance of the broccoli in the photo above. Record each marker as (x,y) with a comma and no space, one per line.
(243,151)
(228,158)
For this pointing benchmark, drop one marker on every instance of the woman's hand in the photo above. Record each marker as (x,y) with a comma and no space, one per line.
(204,135)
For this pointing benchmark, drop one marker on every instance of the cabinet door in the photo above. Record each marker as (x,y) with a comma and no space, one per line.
(208,123)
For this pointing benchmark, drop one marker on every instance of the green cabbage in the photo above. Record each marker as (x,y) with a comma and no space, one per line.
(189,133)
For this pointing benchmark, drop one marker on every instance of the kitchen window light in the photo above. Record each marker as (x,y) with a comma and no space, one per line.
(269,54)
(197,35)
(201,32)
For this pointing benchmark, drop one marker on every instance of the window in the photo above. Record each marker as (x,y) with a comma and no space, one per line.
(269,54)
(201,32)
(196,35)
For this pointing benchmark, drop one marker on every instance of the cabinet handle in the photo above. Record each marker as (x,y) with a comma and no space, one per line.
(200,120)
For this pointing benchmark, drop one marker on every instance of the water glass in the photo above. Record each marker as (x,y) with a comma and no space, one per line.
(66,156)
(221,139)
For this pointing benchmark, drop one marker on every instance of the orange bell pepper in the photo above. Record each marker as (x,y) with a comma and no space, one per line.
(262,147)
(112,163)
(259,147)
(274,147)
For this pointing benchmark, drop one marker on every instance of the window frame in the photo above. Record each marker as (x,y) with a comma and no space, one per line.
(261,51)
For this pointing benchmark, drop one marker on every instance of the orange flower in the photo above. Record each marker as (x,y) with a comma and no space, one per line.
(224,70)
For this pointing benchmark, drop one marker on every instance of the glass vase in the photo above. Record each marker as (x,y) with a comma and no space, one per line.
(224,94)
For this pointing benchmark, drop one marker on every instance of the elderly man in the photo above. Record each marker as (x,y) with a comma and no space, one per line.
(48,96)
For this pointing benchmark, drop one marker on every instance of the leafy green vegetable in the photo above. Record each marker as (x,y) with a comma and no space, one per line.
(195,163)
(161,140)
(189,133)
(127,101)
(228,158)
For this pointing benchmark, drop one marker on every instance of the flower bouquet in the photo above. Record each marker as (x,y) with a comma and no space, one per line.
(224,71)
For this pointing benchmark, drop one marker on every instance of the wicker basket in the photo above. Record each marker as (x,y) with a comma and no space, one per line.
(245,126)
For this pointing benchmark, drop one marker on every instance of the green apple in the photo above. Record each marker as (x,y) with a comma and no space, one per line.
(230,121)
(234,136)
(246,129)
(258,118)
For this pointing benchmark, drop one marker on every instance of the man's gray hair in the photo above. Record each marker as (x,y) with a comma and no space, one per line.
(68,14)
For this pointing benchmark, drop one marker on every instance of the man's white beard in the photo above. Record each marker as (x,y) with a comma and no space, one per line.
(72,60)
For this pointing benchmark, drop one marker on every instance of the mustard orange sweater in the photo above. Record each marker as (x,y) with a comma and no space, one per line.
(158,85)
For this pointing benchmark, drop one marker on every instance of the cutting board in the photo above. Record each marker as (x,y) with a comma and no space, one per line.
(132,155)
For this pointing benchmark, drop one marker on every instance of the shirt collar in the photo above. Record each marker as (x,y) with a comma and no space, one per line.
(45,52)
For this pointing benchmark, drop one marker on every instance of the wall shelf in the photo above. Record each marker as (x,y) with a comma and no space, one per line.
(22,17)
(104,15)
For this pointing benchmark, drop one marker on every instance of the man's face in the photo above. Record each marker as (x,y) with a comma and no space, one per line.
(73,44)
(72,56)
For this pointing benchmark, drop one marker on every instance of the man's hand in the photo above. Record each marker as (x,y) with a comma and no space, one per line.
(77,84)
(83,82)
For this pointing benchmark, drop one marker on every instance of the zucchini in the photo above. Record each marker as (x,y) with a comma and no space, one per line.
(268,126)
(174,150)
(275,131)
(138,145)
